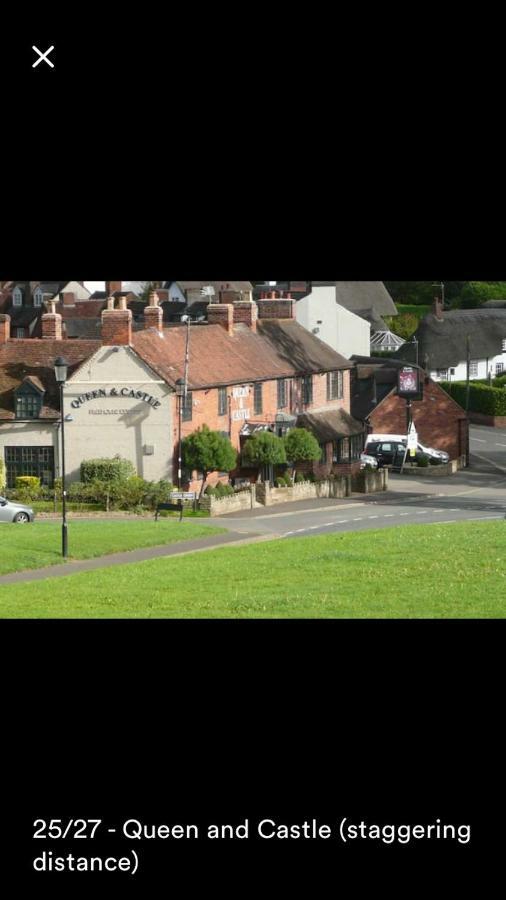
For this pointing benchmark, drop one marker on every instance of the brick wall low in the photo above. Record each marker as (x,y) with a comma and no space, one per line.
(492,421)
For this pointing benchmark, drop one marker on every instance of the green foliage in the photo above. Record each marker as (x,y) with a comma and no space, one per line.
(208,451)
(264,448)
(300,478)
(477,292)
(2,475)
(301,446)
(106,470)
(491,401)
(131,494)
(27,488)
(459,294)
(422,461)
(403,325)
(220,490)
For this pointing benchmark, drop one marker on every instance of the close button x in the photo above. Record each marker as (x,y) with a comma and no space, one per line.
(42,56)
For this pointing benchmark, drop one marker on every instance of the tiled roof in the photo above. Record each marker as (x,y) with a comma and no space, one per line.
(280,348)
(35,358)
(330,424)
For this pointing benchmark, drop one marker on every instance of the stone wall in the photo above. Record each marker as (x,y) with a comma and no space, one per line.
(305,490)
(370,482)
(222,506)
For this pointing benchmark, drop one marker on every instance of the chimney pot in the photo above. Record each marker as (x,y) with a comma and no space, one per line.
(51,323)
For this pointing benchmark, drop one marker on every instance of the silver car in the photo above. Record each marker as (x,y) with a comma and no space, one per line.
(15,512)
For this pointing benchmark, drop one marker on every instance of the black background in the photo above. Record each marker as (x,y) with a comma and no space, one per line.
(145,160)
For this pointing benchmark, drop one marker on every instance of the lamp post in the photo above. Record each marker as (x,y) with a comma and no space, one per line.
(415,342)
(180,393)
(60,371)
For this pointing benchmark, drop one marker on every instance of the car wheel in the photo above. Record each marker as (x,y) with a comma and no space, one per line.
(21,518)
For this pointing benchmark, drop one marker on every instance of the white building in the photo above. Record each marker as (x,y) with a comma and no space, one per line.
(344,331)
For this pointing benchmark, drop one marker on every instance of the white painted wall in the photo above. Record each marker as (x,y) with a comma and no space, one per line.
(484,367)
(345,332)
(106,426)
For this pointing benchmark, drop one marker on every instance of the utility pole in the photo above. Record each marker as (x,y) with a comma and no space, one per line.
(468,367)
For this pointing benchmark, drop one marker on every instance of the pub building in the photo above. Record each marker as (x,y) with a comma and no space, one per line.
(251,366)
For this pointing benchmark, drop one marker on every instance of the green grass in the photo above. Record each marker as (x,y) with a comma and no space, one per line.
(415,309)
(422,571)
(33,546)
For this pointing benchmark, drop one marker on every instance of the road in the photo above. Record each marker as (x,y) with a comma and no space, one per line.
(477,493)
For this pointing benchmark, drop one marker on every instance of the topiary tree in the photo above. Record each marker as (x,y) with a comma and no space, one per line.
(301,446)
(208,451)
(264,449)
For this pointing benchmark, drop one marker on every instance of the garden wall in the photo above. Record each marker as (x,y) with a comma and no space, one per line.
(370,482)
(221,506)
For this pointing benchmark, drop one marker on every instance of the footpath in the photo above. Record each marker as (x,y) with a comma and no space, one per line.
(71,567)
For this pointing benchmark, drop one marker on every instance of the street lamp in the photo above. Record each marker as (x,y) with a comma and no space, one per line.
(415,342)
(180,393)
(60,371)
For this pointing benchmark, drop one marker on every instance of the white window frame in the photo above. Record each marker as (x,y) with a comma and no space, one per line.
(473,368)
(17,297)
(503,346)
(442,374)
(22,330)
(499,367)
(38,297)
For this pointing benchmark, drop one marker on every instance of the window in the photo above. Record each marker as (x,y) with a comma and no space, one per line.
(36,461)
(258,405)
(443,374)
(222,401)
(473,369)
(503,345)
(28,404)
(348,449)
(20,332)
(281,393)
(307,389)
(38,297)
(499,368)
(187,406)
(334,385)
(17,297)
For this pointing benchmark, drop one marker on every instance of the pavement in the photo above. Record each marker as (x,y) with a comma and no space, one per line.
(477,493)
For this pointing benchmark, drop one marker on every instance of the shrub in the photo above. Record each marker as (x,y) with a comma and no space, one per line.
(208,451)
(28,487)
(2,475)
(301,446)
(106,470)
(223,490)
(422,461)
(299,478)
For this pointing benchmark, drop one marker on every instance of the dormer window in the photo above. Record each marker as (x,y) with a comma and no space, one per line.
(38,297)
(28,401)
(17,297)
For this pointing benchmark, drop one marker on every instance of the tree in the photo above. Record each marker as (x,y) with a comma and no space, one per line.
(208,451)
(301,446)
(264,449)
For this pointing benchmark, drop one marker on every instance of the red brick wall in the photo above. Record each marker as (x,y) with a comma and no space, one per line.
(205,408)
(436,419)
(5,328)
(276,309)
(51,327)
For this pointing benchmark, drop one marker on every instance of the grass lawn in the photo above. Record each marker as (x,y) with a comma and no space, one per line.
(415,309)
(34,546)
(420,571)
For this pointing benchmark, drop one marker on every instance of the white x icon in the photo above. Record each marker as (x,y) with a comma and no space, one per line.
(42,56)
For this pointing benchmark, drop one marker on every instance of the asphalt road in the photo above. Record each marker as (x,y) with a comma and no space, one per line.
(477,493)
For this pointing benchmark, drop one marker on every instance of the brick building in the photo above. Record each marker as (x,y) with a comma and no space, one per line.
(439,420)
(250,367)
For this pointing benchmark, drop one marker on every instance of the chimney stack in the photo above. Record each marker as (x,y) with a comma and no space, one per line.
(153,313)
(51,323)
(112,287)
(276,309)
(246,311)
(5,329)
(437,308)
(117,324)
(221,314)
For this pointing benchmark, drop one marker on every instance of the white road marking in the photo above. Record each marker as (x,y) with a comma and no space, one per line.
(404,514)
(500,445)
(480,440)
(423,512)
(373,517)
(357,520)
(388,516)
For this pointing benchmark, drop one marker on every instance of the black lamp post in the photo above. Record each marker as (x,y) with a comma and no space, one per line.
(180,392)
(60,371)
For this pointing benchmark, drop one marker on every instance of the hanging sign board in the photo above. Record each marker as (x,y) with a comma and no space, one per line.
(409,383)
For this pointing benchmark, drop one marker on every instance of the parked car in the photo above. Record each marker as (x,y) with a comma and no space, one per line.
(15,512)
(388,448)
(367,460)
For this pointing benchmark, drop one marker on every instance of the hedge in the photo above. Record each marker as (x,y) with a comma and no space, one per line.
(106,470)
(491,401)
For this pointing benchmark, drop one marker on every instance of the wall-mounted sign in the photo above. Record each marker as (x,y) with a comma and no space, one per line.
(240,392)
(240,414)
(409,383)
(116,393)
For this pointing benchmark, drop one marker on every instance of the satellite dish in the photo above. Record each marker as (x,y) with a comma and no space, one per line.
(207,290)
